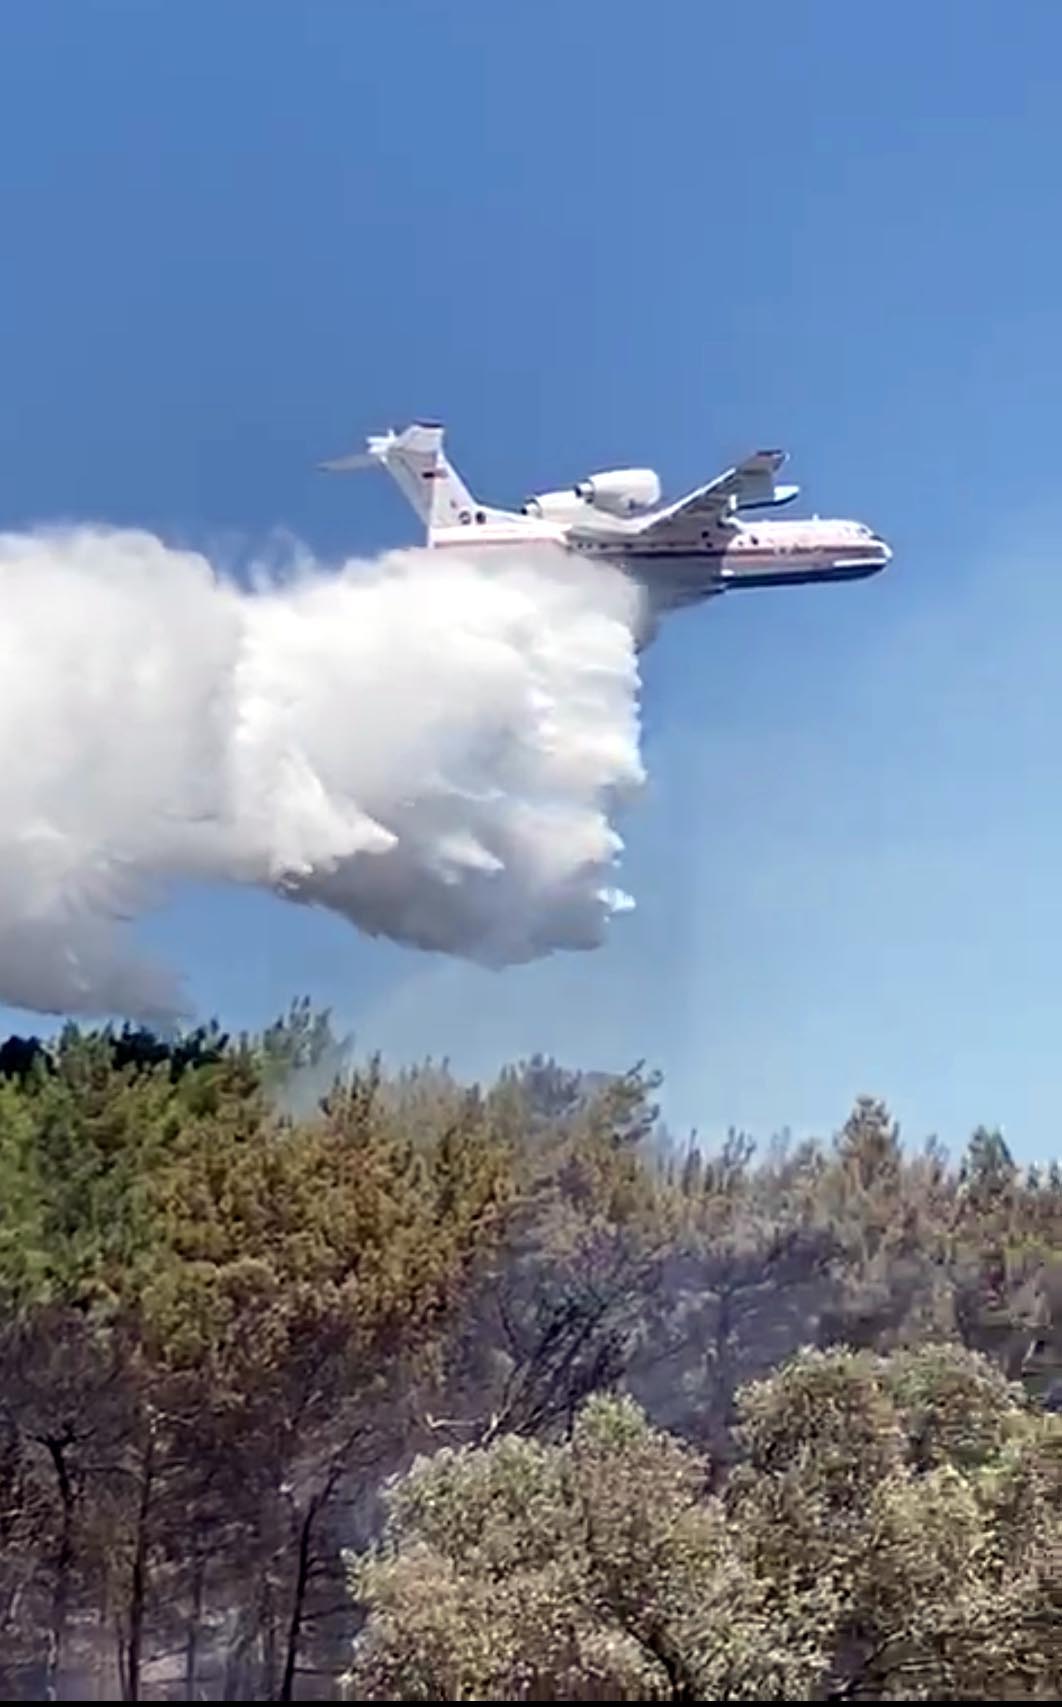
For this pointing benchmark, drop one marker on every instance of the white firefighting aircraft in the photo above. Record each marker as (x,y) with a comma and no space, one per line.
(681,552)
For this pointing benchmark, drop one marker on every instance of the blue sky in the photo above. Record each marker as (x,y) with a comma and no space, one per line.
(239,234)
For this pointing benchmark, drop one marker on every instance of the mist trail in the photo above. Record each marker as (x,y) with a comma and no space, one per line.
(429,744)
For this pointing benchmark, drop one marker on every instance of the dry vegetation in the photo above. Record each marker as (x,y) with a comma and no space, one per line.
(433,1393)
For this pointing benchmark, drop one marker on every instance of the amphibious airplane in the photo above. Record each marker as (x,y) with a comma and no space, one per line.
(681,552)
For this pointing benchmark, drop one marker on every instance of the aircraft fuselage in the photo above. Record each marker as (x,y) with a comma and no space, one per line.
(685,570)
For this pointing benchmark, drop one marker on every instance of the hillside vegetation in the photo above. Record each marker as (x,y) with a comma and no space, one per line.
(382,1385)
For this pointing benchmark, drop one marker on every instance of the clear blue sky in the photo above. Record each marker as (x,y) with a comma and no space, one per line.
(239,233)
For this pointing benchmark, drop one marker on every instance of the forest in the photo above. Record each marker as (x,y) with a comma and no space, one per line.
(322,1381)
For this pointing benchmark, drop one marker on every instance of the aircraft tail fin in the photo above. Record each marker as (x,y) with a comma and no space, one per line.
(418,465)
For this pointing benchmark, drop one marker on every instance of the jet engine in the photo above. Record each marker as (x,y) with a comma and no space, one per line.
(553,506)
(621,491)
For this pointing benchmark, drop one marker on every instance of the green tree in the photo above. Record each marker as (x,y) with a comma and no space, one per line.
(893,1532)
(213,1318)
(589,1570)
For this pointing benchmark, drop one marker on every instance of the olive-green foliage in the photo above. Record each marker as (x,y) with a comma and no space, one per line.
(202,1302)
(182,1198)
(243,1281)
(590,1570)
(871,1545)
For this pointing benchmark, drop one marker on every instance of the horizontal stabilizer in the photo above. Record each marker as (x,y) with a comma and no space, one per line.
(346,464)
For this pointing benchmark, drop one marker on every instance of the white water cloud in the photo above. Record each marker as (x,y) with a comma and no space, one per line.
(434,747)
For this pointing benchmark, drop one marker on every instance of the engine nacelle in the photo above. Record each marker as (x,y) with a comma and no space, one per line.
(553,506)
(621,491)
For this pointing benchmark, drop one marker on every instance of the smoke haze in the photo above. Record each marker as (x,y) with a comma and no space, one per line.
(429,745)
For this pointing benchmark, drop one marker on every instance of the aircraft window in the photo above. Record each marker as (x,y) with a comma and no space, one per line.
(481,516)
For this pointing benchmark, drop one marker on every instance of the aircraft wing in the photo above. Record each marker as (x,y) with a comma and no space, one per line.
(748,484)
